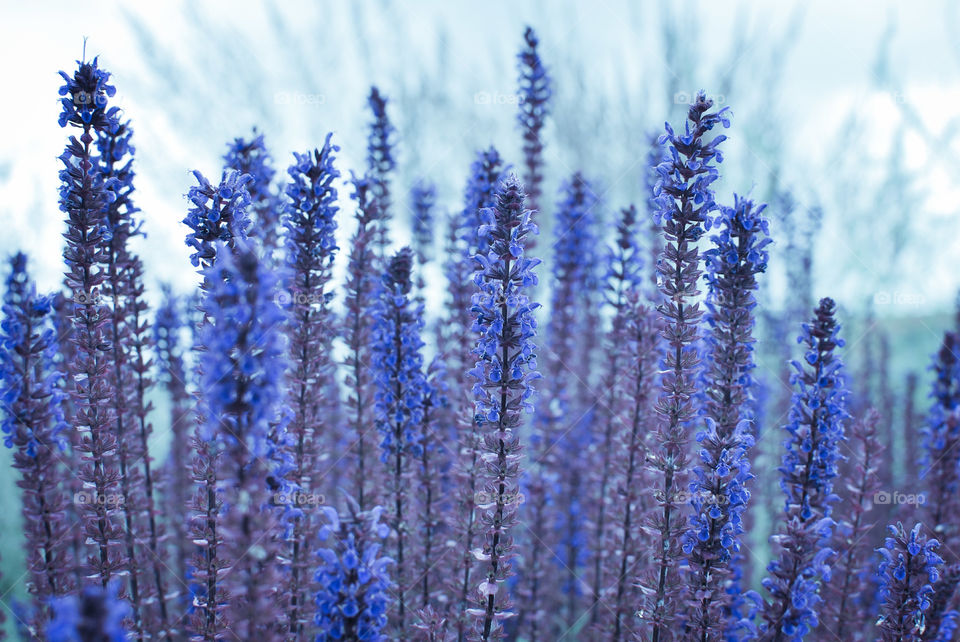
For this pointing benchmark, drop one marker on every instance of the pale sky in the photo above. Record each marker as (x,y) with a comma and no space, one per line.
(196,77)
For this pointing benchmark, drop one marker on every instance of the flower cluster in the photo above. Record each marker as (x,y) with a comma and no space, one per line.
(309,236)
(636,387)
(84,197)
(565,416)
(218,215)
(397,365)
(486,173)
(30,391)
(622,281)
(575,268)
(909,567)
(719,489)
(272,396)
(96,614)
(116,166)
(846,591)
(809,466)
(250,156)
(397,361)
(172,376)
(942,618)
(241,377)
(353,575)
(504,372)
(129,373)
(359,299)
(463,243)
(245,352)
(85,96)
(684,201)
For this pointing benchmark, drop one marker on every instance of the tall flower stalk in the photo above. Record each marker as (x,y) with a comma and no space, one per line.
(845,603)
(431,506)
(459,339)
(84,196)
(218,222)
(622,280)
(911,420)
(380,165)
(131,381)
(535,89)
(243,367)
(941,444)
(172,376)
(397,364)
(809,466)
(719,493)
(567,405)
(359,300)
(504,373)
(423,202)
(33,425)
(639,332)
(309,235)
(684,202)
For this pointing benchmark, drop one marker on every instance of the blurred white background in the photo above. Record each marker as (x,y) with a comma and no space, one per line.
(850,106)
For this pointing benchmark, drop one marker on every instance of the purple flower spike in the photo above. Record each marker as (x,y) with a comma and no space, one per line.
(397,365)
(84,197)
(808,468)
(380,165)
(719,492)
(423,199)
(941,445)
(535,89)
(310,239)
(684,201)
(239,445)
(458,339)
(33,425)
(846,593)
(504,371)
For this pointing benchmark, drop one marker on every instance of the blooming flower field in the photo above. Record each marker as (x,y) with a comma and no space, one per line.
(486,433)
